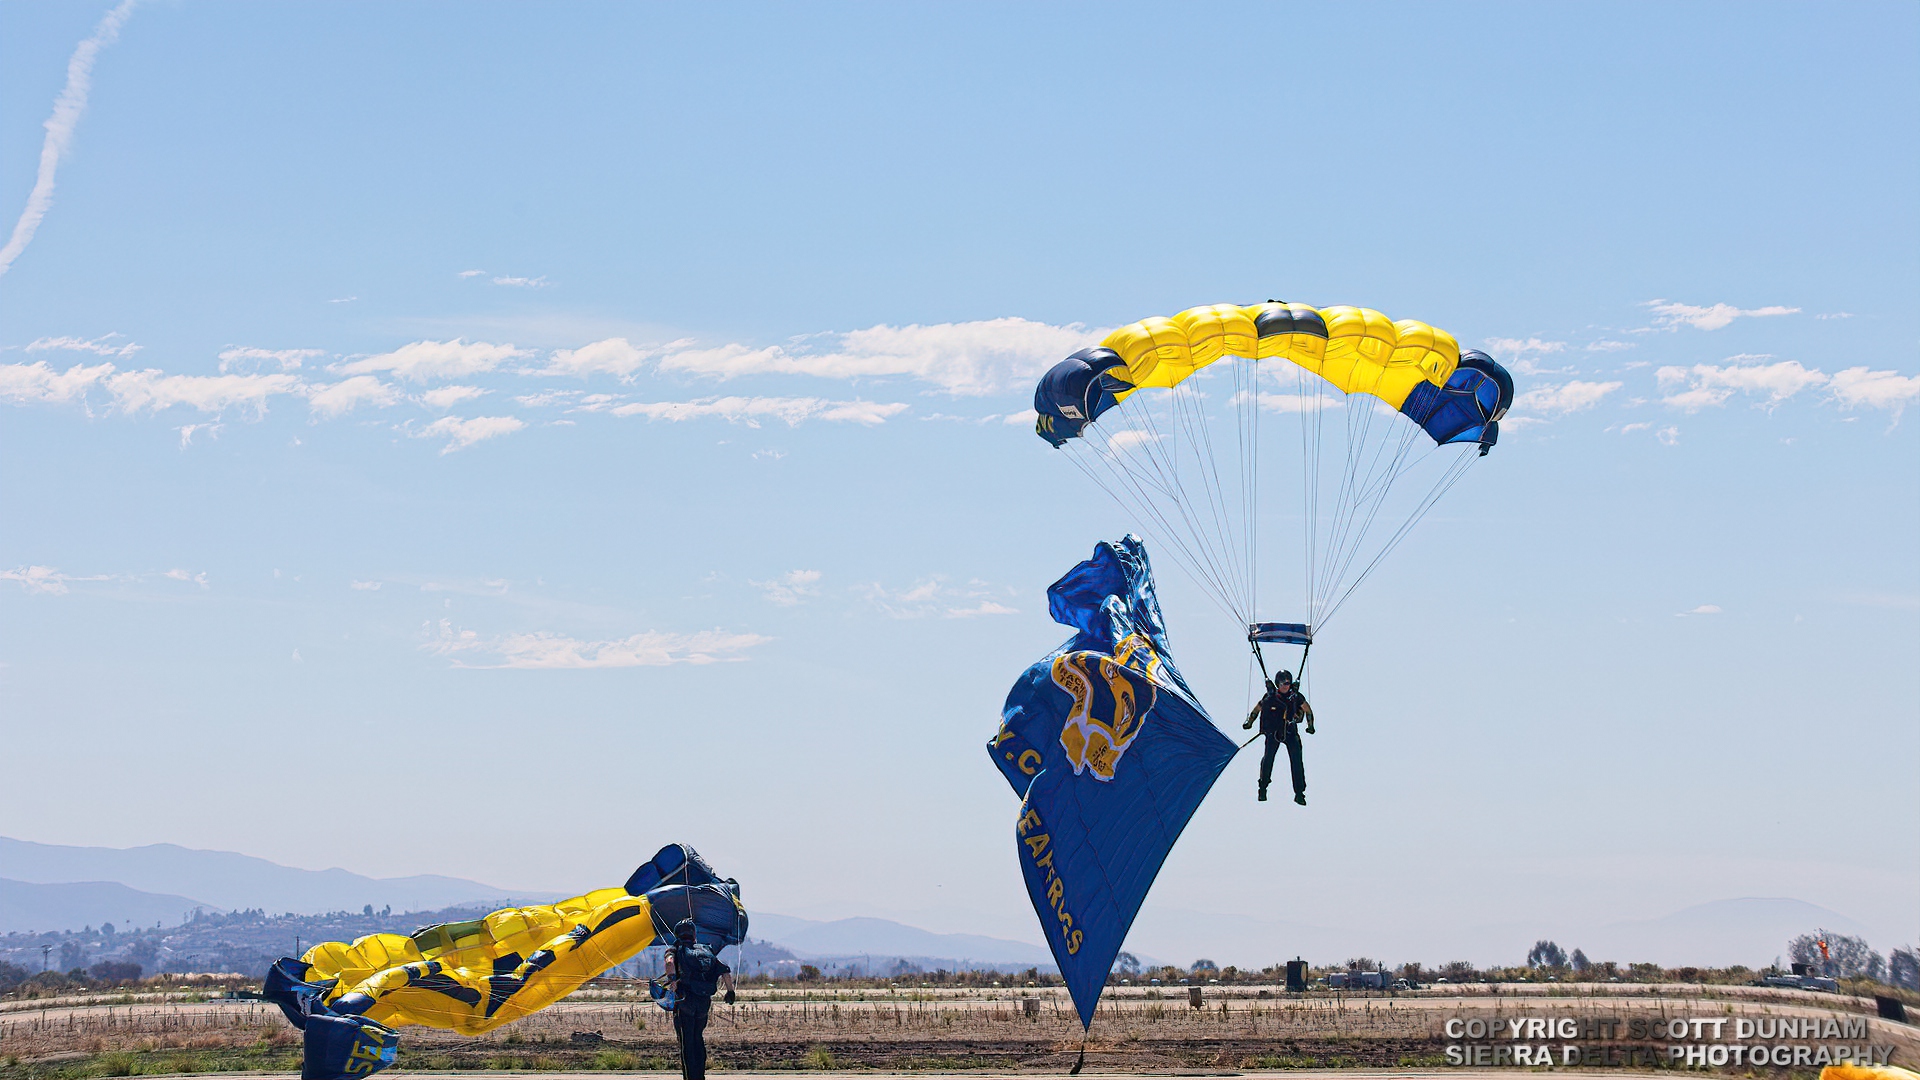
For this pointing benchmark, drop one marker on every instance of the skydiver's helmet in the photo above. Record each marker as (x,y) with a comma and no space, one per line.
(1285,678)
(683,930)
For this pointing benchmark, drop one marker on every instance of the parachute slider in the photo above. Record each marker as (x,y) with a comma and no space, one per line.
(1280,633)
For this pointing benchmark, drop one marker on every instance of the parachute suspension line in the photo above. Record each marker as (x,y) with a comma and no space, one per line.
(1441,486)
(1145,508)
(1373,498)
(1190,413)
(1160,450)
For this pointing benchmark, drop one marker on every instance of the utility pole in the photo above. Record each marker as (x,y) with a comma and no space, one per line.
(44,951)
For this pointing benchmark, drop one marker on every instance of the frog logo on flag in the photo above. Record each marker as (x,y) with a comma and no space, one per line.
(1112,697)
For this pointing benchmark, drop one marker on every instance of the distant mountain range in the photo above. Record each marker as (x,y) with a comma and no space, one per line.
(72,905)
(812,939)
(229,881)
(45,887)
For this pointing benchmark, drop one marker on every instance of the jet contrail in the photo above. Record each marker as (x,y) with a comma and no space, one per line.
(66,116)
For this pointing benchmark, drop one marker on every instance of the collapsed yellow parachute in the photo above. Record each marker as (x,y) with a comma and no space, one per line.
(449,976)
(475,976)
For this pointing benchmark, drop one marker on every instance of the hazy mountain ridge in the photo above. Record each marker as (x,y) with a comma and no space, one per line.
(231,881)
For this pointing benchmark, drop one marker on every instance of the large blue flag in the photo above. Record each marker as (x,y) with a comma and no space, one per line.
(1111,754)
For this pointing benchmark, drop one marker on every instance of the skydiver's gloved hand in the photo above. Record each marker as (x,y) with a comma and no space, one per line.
(729,998)
(1248,725)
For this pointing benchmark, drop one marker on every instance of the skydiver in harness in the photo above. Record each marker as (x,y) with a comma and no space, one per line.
(1280,712)
(693,973)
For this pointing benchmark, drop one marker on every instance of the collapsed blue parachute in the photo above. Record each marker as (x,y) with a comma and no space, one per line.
(1111,755)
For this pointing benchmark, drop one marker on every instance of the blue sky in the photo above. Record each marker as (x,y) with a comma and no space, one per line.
(434,434)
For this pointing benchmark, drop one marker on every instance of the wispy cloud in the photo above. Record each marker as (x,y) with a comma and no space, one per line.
(236,357)
(1282,403)
(791,588)
(103,345)
(188,431)
(540,282)
(1710,385)
(1703,609)
(543,650)
(933,597)
(461,434)
(36,382)
(752,410)
(1565,398)
(67,110)
(614,356)
(422,361)
(349,394)
(1523,354)
(472,273)
(1605,345)
(44,580)
(365,586)
(154,390)
(960,358)
(1671,316)
(1668,436)
(446,397)
(1857,387)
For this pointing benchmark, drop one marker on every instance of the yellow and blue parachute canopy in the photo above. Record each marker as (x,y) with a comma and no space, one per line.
(474,976)
(1419,370)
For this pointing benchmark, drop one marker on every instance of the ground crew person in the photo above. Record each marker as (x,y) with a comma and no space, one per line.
(1280,711)
(693,974)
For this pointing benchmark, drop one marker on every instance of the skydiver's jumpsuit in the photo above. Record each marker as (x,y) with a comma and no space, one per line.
(1281,713)
(697,974)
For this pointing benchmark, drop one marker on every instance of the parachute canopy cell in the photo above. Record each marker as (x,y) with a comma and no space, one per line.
(472,977)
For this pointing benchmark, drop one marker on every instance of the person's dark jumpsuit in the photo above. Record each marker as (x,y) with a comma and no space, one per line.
(1280,712)
(696,974)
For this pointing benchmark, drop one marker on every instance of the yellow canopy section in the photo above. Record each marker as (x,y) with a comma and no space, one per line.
(475,976)
(1358,350)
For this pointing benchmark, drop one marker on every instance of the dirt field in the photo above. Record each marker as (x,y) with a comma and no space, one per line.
(1138,1031)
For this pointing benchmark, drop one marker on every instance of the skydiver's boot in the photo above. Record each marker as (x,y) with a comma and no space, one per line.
(1298,796)
(1263,793)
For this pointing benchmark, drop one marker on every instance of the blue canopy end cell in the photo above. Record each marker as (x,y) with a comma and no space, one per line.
(1468,409)
(1076,391)
(1111,755)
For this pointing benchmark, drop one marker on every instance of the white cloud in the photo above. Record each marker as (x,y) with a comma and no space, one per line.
(984,607)
(1631,428)
(1288,403)
(44,580)
(37,382)
(1703,609)
(523,282)
(1710,385)
(932,597)
(1604,345)
(1024,418)
(1519,347)
(1836,315)
(155,390)
(472,273)
(67,110)
(187,432)
(1668,436)
(461,434)
(614,356)
(544,650)
(793,587)
(189,576)
(1672,316)
(1567,398)
(349,394)
(446,397)
(1856,387)
(751,411)
(235,356)
(344,300)
(100,346)
(961,358)
(366,586)
(424,360)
